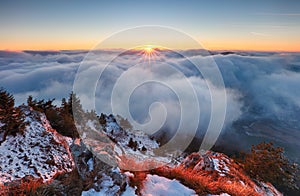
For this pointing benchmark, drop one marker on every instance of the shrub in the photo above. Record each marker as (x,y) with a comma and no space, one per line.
(267,163)
(60,118)
(11,117)
(132,144)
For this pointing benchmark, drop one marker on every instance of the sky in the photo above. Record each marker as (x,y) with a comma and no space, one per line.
(229,25)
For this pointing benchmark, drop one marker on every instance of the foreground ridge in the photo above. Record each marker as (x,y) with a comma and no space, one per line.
(43,161)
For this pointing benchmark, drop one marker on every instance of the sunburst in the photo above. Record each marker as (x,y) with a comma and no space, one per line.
(149,53)
(148,49)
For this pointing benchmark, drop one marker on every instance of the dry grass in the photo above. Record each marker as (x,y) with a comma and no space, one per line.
(203,182)
(21,188)
(128,163)
(137,180)
(206,183)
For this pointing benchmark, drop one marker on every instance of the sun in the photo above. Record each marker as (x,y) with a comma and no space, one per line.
(148,53)
(148,49)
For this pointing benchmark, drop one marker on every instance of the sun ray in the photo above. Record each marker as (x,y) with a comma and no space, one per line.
(148,53)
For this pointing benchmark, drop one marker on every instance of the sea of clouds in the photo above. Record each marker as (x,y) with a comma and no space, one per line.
(260,86)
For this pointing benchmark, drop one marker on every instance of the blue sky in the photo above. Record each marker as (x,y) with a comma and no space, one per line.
(261,25)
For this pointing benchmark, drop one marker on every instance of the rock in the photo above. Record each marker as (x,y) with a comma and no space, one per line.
(40,153)
(227,170)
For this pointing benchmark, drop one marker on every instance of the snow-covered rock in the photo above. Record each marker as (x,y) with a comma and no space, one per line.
(157,185)
(210,161)
(139,148)
(116,146)
(40,152)
(129,191)
(90,165)
(140,140)
(98,177)
(214,163)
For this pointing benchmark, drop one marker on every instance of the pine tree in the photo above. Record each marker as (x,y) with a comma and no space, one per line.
(75,109)
(30,101)
(267,163)
(132,144)
(102,119)
(64,105)
(11,118)
(75,104)
(41,105)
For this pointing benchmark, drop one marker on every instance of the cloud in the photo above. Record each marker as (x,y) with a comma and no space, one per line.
(45,75)
(259,86)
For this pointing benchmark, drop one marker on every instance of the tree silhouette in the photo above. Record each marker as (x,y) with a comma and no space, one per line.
(132,144)
(60,118)
(11,117)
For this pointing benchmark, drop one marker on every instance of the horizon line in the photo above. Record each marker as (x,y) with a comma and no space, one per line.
(186,49)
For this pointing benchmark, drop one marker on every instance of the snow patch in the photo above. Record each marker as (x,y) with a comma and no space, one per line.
(156,185)
(68,140)
(90,164)
(129,191)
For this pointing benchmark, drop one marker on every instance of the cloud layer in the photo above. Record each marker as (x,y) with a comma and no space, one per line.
(259,86)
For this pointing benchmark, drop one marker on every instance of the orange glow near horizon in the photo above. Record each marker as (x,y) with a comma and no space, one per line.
(249,45)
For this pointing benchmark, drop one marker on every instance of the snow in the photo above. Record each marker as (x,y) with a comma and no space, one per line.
(116,170)
(111,142)
(91,125)
(40,152)
(129,174)
(210,161)
(129,191)
(219,165)
(156,185)
(153,184)
(107,188)
(90,192)
(90,163)
(68,140)
(118,150)
(113,130)
(107,185)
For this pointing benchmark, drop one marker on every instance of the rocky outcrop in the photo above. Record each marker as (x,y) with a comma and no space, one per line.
(96,174)
(226,170)
(40,154)
(59,165)
(89,176)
